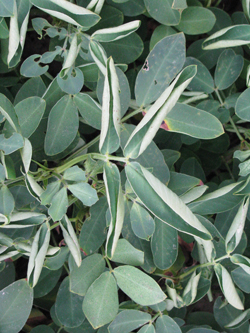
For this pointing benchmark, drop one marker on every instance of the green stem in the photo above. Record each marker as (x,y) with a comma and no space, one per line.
(131,114)
(106,259)
(13,181)
(228,169)
(49,76)
(155,317)
(80,150)
(82,158)
(207,264)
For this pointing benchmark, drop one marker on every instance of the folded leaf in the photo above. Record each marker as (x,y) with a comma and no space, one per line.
(228,37)
(115,33)
(38,252)
(68,12)
(162,202)
(111,112)
(150,124)
(115,198)
(242,261)
(227,287)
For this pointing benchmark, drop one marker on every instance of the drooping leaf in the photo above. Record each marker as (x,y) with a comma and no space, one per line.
(228,69)
(242,108)
(30,112)
(84,192)
(125,253)
(93,231)
(59,205)
(15,299)
(164,245)
(151,81)
(100,304)
(62,126)
(242,261)
(141,221)
(128,320)
(82,277)
(140,287)
(163,12)
(166,324)
(72,314)
(196,20)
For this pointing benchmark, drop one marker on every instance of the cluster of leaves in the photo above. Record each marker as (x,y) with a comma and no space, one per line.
(125,179)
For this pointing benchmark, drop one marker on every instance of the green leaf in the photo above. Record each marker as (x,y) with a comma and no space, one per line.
(7,202)
(57,261)
(228,37)
(240,320)
(125,253)
(194,122)
(42,329)
(147,329)
(241,279)
(62,126)
(116,33)
(93,231)
(162,202)
(71,239)
(126,50)
(74,174)
(130,7)
(47,281)
(7,8)
(11,144)
(203,80)
(227,287)
(228,69)
(166,324)
(100,304)
(82,277)
(242,108)
(164,245)
(99,55)
(89,109)
(140,287)
(151,122)
(32,87)
(111,112)
(128,320)
(236,229)
(72,81)
(72,314)
(152,80)
(15,299)
(85,193)
(163,12)
(69,12)
(7,275)
(141,221)
(115,199)
(30,112)
(37,254)
(31,66)
(59,205)
(196,20)
(47,196)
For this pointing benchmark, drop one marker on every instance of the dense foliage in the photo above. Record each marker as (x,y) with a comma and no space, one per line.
(125,166)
